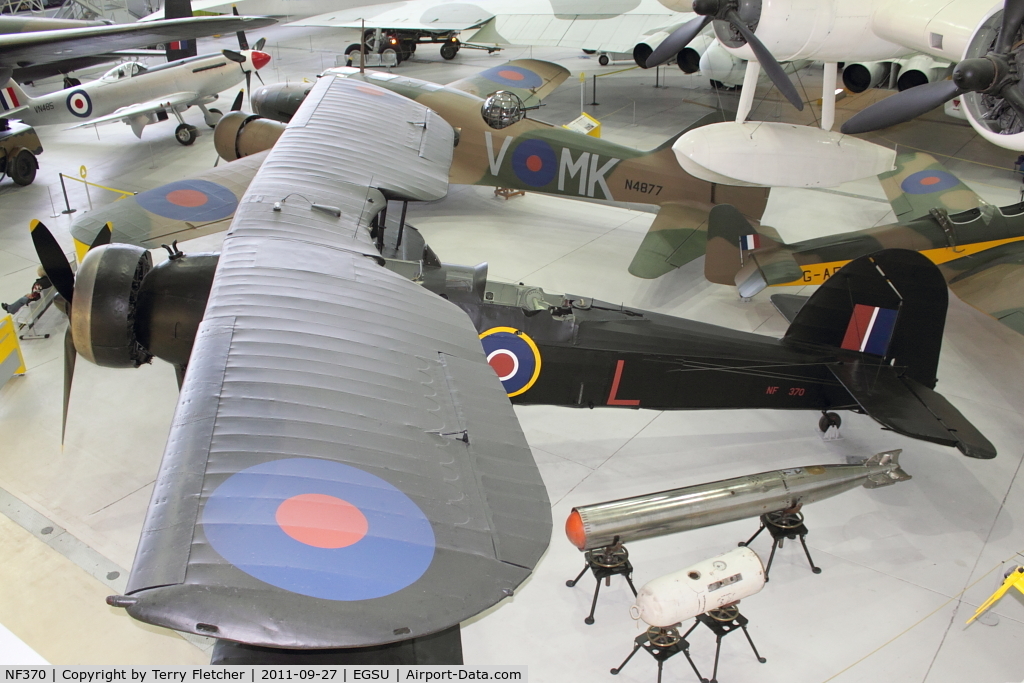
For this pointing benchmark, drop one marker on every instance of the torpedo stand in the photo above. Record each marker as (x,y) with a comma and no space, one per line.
(664,643)
(612,560)
(781,525)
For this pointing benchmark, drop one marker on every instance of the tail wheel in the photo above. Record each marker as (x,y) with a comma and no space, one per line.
(22,168)
(185,134)
(828,420)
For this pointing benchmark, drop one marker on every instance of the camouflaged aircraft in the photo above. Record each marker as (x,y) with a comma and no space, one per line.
(497,146)
(978,247)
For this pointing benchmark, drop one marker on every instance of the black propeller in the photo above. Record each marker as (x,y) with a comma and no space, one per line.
(991,75)
(243,42)
(725,10)
(234,56)
(59,272)
(677,40)
(237,104)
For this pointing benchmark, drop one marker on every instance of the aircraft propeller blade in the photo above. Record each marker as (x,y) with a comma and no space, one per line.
(260,44)
(901,107)
(1013,17)
(677,40)
(53,260)
(103,236)
(70,356)
(234,56)
(991,74)
(239,98)
(243,42)
(248,87)
(259,77)
(768,62)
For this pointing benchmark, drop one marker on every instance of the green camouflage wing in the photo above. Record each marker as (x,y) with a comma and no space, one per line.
(531,79)
(992,281)
(920,184)
(185,209)
(677,236)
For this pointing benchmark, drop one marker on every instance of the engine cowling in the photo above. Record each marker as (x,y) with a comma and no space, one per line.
(861,76)
(920,70)
(987,114)
(239,135)
(125,311)
(689,58)
(280,101)
(718,64)
(823,30)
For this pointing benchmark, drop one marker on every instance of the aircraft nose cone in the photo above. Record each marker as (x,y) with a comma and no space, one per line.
(259,59)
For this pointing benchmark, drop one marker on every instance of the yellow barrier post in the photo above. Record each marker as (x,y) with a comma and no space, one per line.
(11,361)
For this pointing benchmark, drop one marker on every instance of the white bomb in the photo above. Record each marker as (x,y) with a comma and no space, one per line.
(707,585)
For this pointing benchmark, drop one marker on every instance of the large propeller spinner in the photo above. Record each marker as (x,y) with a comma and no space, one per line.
(990,74)
(725,10)
(59,272)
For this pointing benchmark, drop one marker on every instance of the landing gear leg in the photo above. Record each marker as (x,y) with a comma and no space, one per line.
(211,116)
(185,134)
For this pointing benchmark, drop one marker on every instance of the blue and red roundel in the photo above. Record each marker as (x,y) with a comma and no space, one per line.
(79,104)
(534,162)
(513,77)
(198,201)
(514,357)
(319,528)
(926,182)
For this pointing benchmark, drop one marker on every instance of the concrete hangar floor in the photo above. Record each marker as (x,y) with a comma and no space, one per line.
(904,566)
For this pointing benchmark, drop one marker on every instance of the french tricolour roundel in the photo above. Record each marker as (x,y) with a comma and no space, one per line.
(513,77)
(79,103)
(534,162)
(926,182)
(190,200)
(514,357)
(319,528)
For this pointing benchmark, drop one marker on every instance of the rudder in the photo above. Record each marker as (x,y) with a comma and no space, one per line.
(890,304)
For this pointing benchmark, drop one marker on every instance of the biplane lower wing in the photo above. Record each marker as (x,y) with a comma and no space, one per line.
(344,468)
(182,210)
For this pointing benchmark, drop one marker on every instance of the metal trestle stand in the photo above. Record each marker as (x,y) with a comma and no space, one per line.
(782,525)
(605,563)
(722,622)
(662,644)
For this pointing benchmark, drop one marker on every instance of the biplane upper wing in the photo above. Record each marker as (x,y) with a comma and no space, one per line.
(344,468)
(920,183)
(531,79)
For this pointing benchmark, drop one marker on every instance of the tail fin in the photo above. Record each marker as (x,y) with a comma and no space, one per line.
(890,304)
(12,98)
(179,49)
(883,314)
(740,254)
(892,476)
